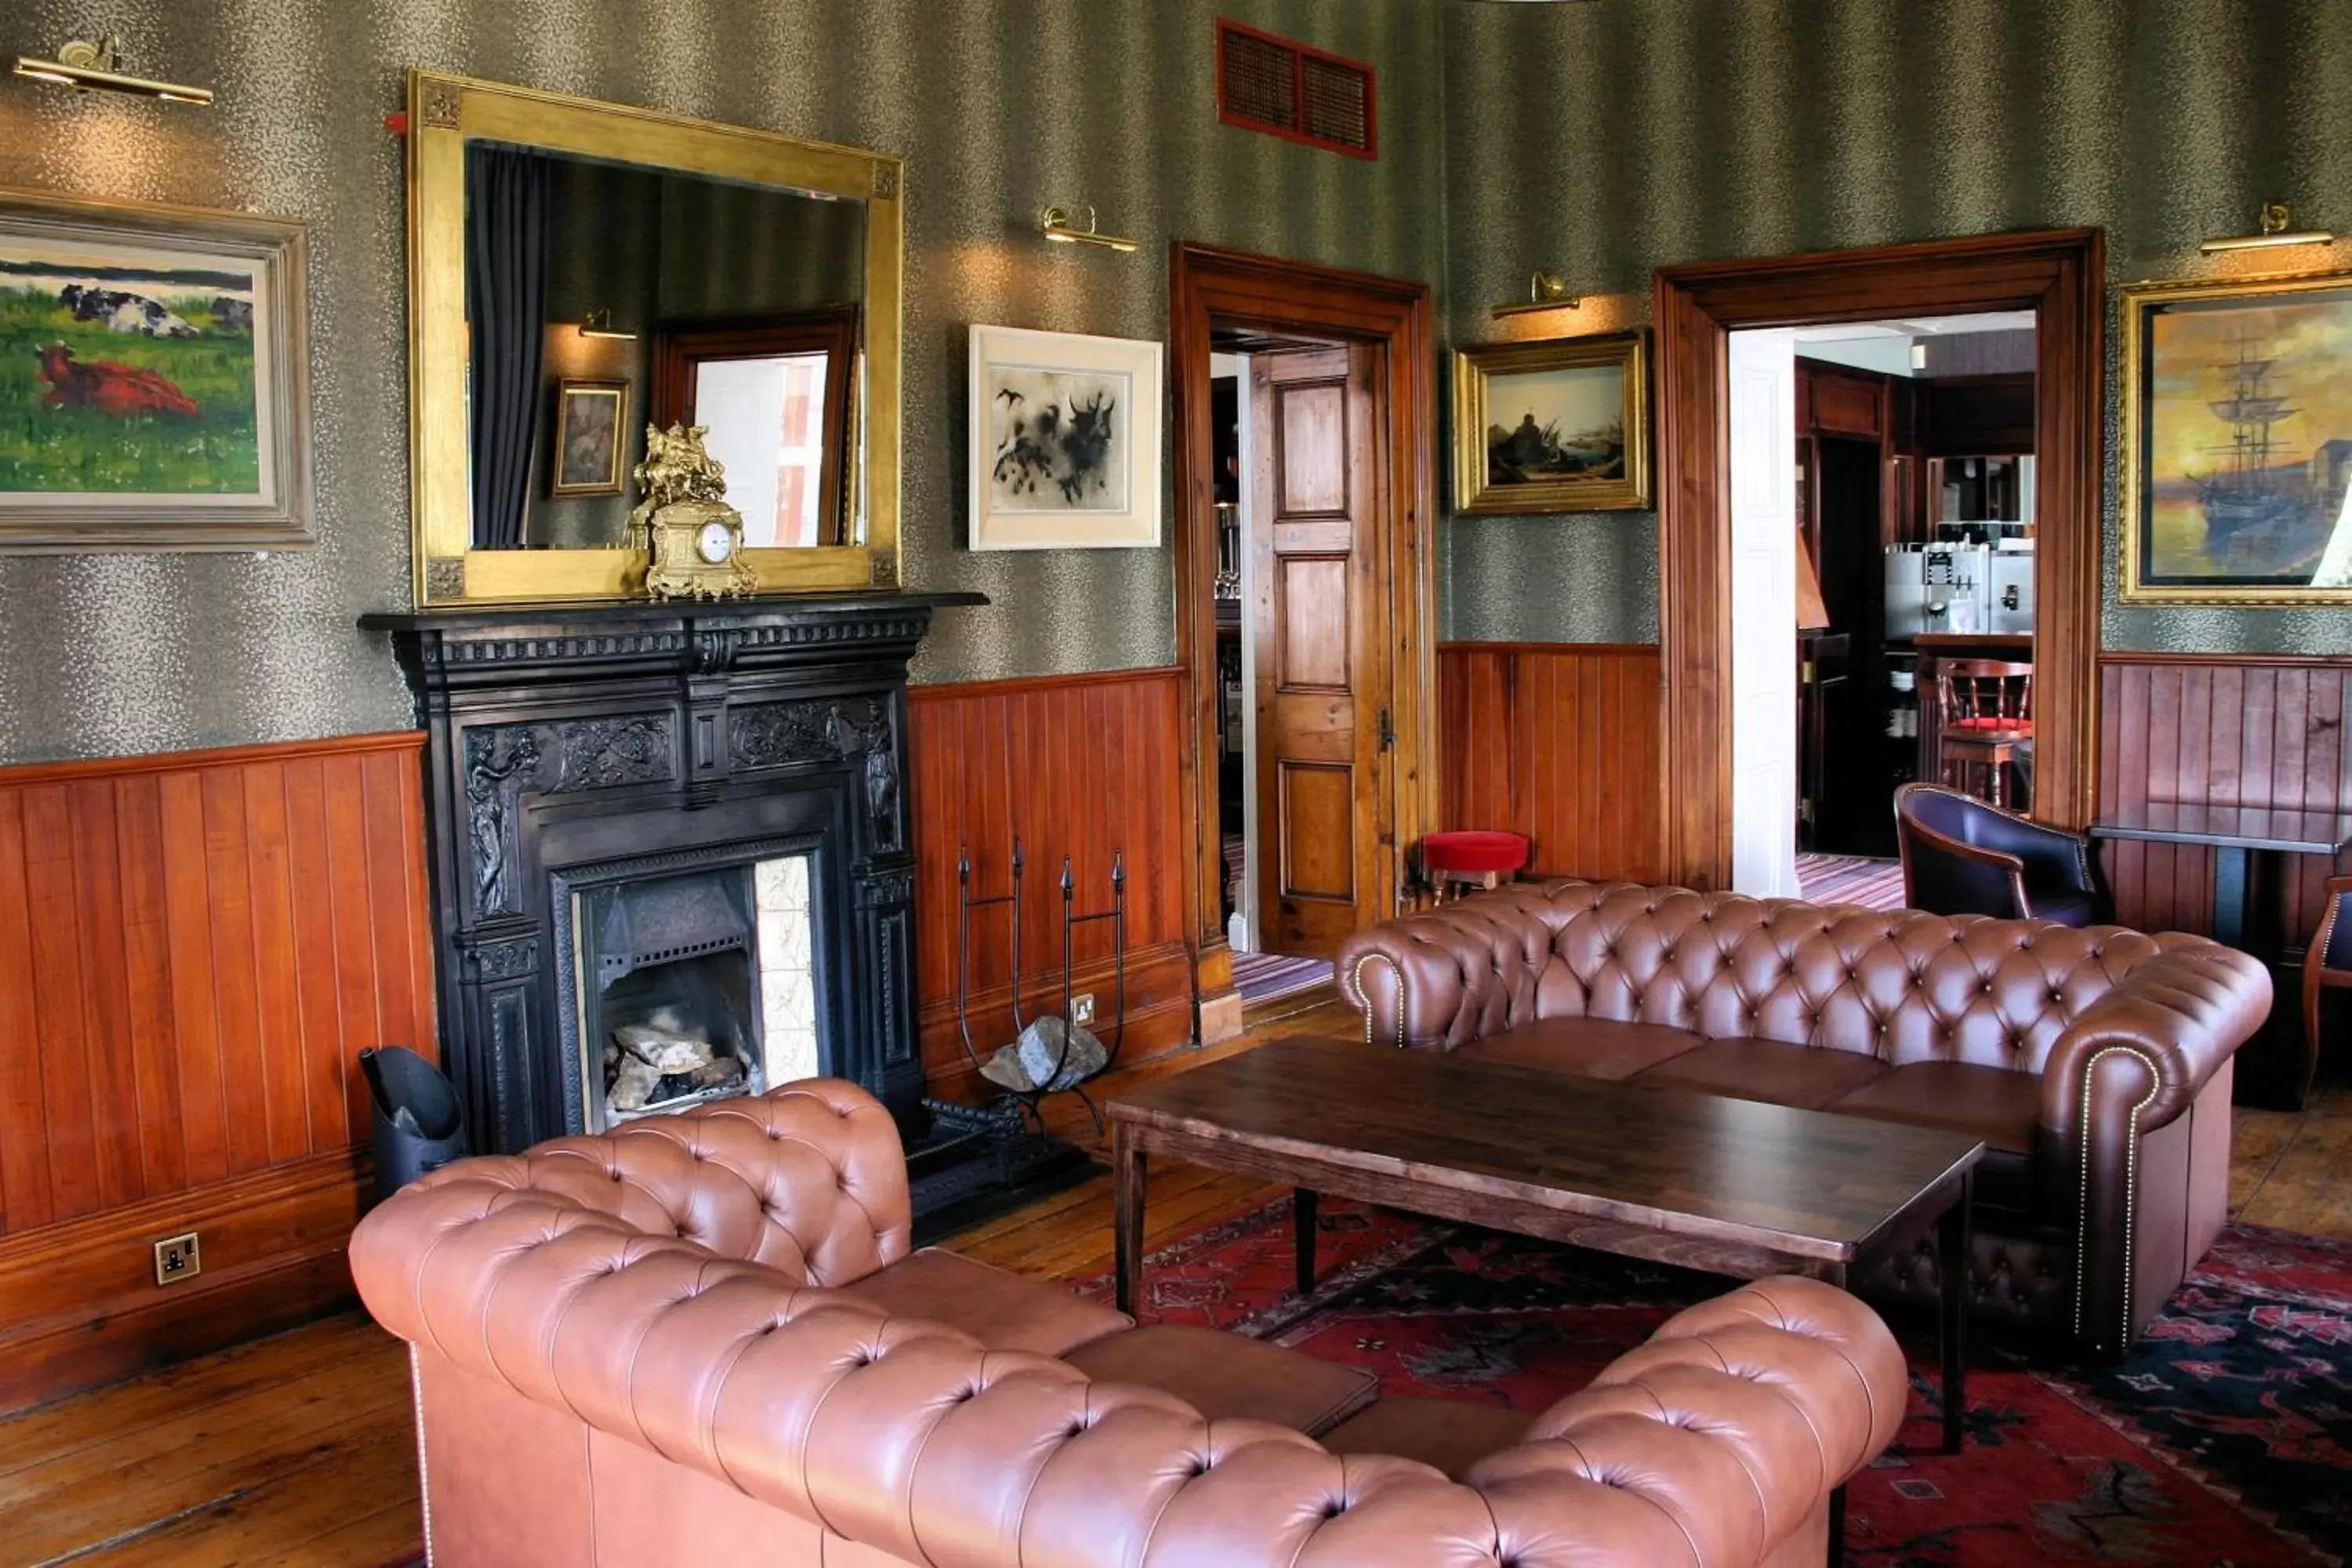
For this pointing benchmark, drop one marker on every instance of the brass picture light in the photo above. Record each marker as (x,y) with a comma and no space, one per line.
(88,66)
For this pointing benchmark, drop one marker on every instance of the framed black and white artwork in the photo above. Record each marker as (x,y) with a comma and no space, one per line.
(1065,441)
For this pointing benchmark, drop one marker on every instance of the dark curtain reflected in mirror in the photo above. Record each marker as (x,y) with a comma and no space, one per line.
(506,296)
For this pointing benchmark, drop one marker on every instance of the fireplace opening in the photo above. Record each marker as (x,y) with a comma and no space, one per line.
(694,987)
(678,1033)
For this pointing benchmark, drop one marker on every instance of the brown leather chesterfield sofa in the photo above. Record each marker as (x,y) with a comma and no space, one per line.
(703,1339)
(2095,1063)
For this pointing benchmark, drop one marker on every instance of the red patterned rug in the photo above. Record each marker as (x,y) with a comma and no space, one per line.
(2224,1442)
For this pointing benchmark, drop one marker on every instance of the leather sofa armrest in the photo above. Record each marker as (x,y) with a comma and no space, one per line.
(2148,1046)
(2132,1061)
(1446,976)
(1735,1421)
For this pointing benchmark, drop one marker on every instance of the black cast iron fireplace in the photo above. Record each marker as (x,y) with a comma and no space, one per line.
(670,856)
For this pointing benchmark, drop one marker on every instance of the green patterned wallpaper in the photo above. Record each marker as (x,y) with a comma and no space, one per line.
(1604,139)
(1610,139)
(998,106)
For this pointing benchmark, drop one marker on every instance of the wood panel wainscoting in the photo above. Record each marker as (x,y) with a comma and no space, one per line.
(1078,766)
(193,948)
(1559,742)
(2234,729)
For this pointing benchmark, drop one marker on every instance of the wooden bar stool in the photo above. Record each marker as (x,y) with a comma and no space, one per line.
(1481,857)
(1987,715)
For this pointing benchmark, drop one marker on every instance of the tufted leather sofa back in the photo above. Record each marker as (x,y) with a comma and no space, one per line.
(808,1180)
(1902,986)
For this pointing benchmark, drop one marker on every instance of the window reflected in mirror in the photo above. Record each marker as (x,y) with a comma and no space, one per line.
(766,418)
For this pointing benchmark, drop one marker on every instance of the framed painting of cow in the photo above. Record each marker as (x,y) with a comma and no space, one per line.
(153,378)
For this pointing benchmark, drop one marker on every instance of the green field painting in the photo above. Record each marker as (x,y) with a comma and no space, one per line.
(124,413)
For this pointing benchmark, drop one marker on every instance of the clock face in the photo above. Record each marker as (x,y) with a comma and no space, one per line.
(714,543)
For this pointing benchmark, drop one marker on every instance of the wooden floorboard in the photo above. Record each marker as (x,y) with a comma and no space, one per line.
(298,1451)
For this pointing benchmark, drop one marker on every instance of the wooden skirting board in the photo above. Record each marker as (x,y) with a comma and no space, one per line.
(79,1305)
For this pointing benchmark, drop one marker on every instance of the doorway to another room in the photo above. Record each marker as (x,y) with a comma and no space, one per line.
(1954,503)
(1305,418)
(1913,488)
(1293,451)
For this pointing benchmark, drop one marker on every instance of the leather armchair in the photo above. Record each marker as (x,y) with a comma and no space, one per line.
(2095,1064)
(660,1346)
(2327,965)
(1962,856)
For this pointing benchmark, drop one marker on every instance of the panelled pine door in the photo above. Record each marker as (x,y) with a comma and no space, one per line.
(1322,667)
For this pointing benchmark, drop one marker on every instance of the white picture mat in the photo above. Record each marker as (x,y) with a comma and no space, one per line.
(1134,522)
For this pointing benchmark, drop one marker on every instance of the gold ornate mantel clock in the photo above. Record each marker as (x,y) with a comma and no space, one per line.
(691,539)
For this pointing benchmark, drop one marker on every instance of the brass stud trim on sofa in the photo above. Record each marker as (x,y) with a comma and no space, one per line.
(2131,1185)
(1364,997)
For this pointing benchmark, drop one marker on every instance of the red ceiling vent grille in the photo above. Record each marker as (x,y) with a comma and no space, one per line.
(1294,91)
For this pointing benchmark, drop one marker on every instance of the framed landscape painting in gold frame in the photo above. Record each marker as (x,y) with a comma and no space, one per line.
(1557,425)
(2236,441)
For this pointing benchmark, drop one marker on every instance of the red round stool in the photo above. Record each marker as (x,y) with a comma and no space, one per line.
(1476,855)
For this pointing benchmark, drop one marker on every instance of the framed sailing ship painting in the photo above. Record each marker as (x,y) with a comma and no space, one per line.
(2237,441)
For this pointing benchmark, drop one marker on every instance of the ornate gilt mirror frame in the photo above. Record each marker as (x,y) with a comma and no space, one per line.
(444,113)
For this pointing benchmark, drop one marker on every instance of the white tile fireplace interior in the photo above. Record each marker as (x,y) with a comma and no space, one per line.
(787,967)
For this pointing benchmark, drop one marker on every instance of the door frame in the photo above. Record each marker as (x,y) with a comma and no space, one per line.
(1209,288)
(2061,274)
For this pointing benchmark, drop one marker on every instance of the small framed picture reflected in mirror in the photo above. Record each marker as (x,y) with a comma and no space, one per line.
(591,438)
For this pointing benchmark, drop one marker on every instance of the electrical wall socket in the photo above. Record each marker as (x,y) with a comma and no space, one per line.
(177,1258)
(1082,1008)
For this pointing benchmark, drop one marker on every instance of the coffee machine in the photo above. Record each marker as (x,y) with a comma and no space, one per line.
(1943,588)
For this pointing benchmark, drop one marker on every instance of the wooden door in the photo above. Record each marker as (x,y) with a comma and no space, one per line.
(1322,672)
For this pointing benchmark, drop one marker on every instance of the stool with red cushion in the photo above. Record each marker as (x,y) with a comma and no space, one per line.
(1479,856)
(1988,717)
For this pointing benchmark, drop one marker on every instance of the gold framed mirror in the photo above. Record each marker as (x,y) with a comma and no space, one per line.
(560,251)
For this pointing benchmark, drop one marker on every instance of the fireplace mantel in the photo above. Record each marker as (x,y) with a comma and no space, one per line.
(561,736)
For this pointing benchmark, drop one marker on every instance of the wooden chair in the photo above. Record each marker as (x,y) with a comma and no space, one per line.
(1987,715)
(2326,963)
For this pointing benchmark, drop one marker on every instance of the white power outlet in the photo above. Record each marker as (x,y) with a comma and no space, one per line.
(1082,1008)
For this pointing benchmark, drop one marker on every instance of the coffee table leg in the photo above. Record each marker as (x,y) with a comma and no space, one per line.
(1302,1226)
(1127,1160)
(1952,1266)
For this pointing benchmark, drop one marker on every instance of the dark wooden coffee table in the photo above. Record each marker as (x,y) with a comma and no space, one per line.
(1729,1186)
